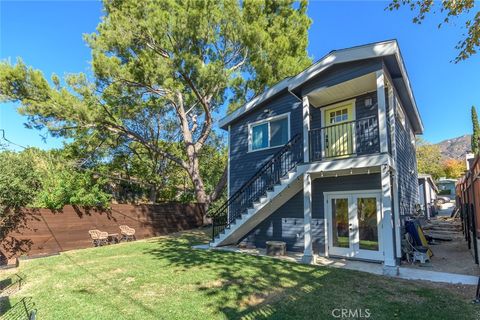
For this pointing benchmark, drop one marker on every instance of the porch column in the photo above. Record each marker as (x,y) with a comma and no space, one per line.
(382,111)
(307,218)
(306,128)
(396,216)
(389,265)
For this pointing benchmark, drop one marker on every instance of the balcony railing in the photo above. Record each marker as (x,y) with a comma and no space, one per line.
(345,139)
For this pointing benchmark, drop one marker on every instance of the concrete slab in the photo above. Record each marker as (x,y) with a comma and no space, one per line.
(201,246)
(434,276)
(363,266)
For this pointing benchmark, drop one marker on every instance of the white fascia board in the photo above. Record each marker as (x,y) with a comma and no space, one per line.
(282,85)
(403,70)
(345,55)
(357,162)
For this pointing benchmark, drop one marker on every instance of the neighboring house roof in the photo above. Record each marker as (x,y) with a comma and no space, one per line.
(446,181)
(374,50)
(428,178)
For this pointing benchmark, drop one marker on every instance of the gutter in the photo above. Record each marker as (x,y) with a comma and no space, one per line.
(293,94)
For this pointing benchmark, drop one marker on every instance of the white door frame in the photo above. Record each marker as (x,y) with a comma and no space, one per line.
(354,250)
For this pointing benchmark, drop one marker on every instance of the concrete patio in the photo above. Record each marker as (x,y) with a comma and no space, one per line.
(404,272)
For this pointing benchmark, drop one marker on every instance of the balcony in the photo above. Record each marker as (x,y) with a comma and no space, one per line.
(346,139)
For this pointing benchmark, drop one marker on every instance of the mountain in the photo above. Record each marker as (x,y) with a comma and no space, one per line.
(455,148)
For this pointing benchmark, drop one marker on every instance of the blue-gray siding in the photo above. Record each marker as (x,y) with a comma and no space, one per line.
(361,111)
(244,164)
(389,128)
(286,223)
(406,168)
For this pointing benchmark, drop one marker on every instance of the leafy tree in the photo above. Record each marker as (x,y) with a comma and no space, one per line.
(162,70)
(429,159)
(18,187)
(476,131)
(454,168)
(450,9)
(62,183)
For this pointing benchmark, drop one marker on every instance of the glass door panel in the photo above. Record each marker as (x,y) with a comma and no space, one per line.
(354,225)
(367,223)
(340,223)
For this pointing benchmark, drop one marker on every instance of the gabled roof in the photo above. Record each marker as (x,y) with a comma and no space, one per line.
(374,50)
(446,180)
(428,178)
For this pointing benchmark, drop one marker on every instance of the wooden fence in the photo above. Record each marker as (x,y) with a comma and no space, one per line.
(468,202)
(49,232)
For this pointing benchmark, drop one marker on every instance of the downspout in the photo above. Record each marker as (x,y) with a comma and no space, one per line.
(305,125)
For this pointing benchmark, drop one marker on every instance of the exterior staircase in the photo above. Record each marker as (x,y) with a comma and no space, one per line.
(279,179)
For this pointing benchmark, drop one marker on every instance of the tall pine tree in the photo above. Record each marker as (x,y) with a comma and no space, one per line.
(476,131)
(162,72)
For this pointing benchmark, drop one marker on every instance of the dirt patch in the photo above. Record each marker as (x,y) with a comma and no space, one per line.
(448,256)
(222,283)
(259,298)
(129,280)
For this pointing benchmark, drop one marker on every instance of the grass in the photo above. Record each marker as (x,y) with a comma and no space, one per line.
(163,278)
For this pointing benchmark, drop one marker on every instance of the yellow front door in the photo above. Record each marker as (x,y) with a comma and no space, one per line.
(339,131)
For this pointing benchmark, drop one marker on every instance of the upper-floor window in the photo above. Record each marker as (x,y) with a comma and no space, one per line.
(338,115)
(269,133)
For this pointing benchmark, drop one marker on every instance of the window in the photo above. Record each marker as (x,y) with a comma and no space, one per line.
(338,115)
(269,133)
(400,113)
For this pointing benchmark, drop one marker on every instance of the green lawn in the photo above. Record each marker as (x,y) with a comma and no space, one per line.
(163,278)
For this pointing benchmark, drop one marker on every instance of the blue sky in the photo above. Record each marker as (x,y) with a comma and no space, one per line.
(48,36)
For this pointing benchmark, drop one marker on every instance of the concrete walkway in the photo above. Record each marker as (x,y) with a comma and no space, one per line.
(369,267)
(446,209)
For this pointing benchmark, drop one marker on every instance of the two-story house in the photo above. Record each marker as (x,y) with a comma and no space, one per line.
(325,160)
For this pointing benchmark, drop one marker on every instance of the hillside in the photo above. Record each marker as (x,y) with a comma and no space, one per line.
(455,148)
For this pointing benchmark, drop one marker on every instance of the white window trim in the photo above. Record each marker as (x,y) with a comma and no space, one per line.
(336,105)
(267,120)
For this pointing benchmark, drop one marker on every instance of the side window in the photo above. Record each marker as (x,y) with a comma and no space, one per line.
(260,136)
(269,133)
(278,132)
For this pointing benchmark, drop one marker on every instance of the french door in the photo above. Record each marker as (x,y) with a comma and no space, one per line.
(354,224)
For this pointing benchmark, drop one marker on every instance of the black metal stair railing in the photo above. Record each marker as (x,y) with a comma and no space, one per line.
(269,175)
